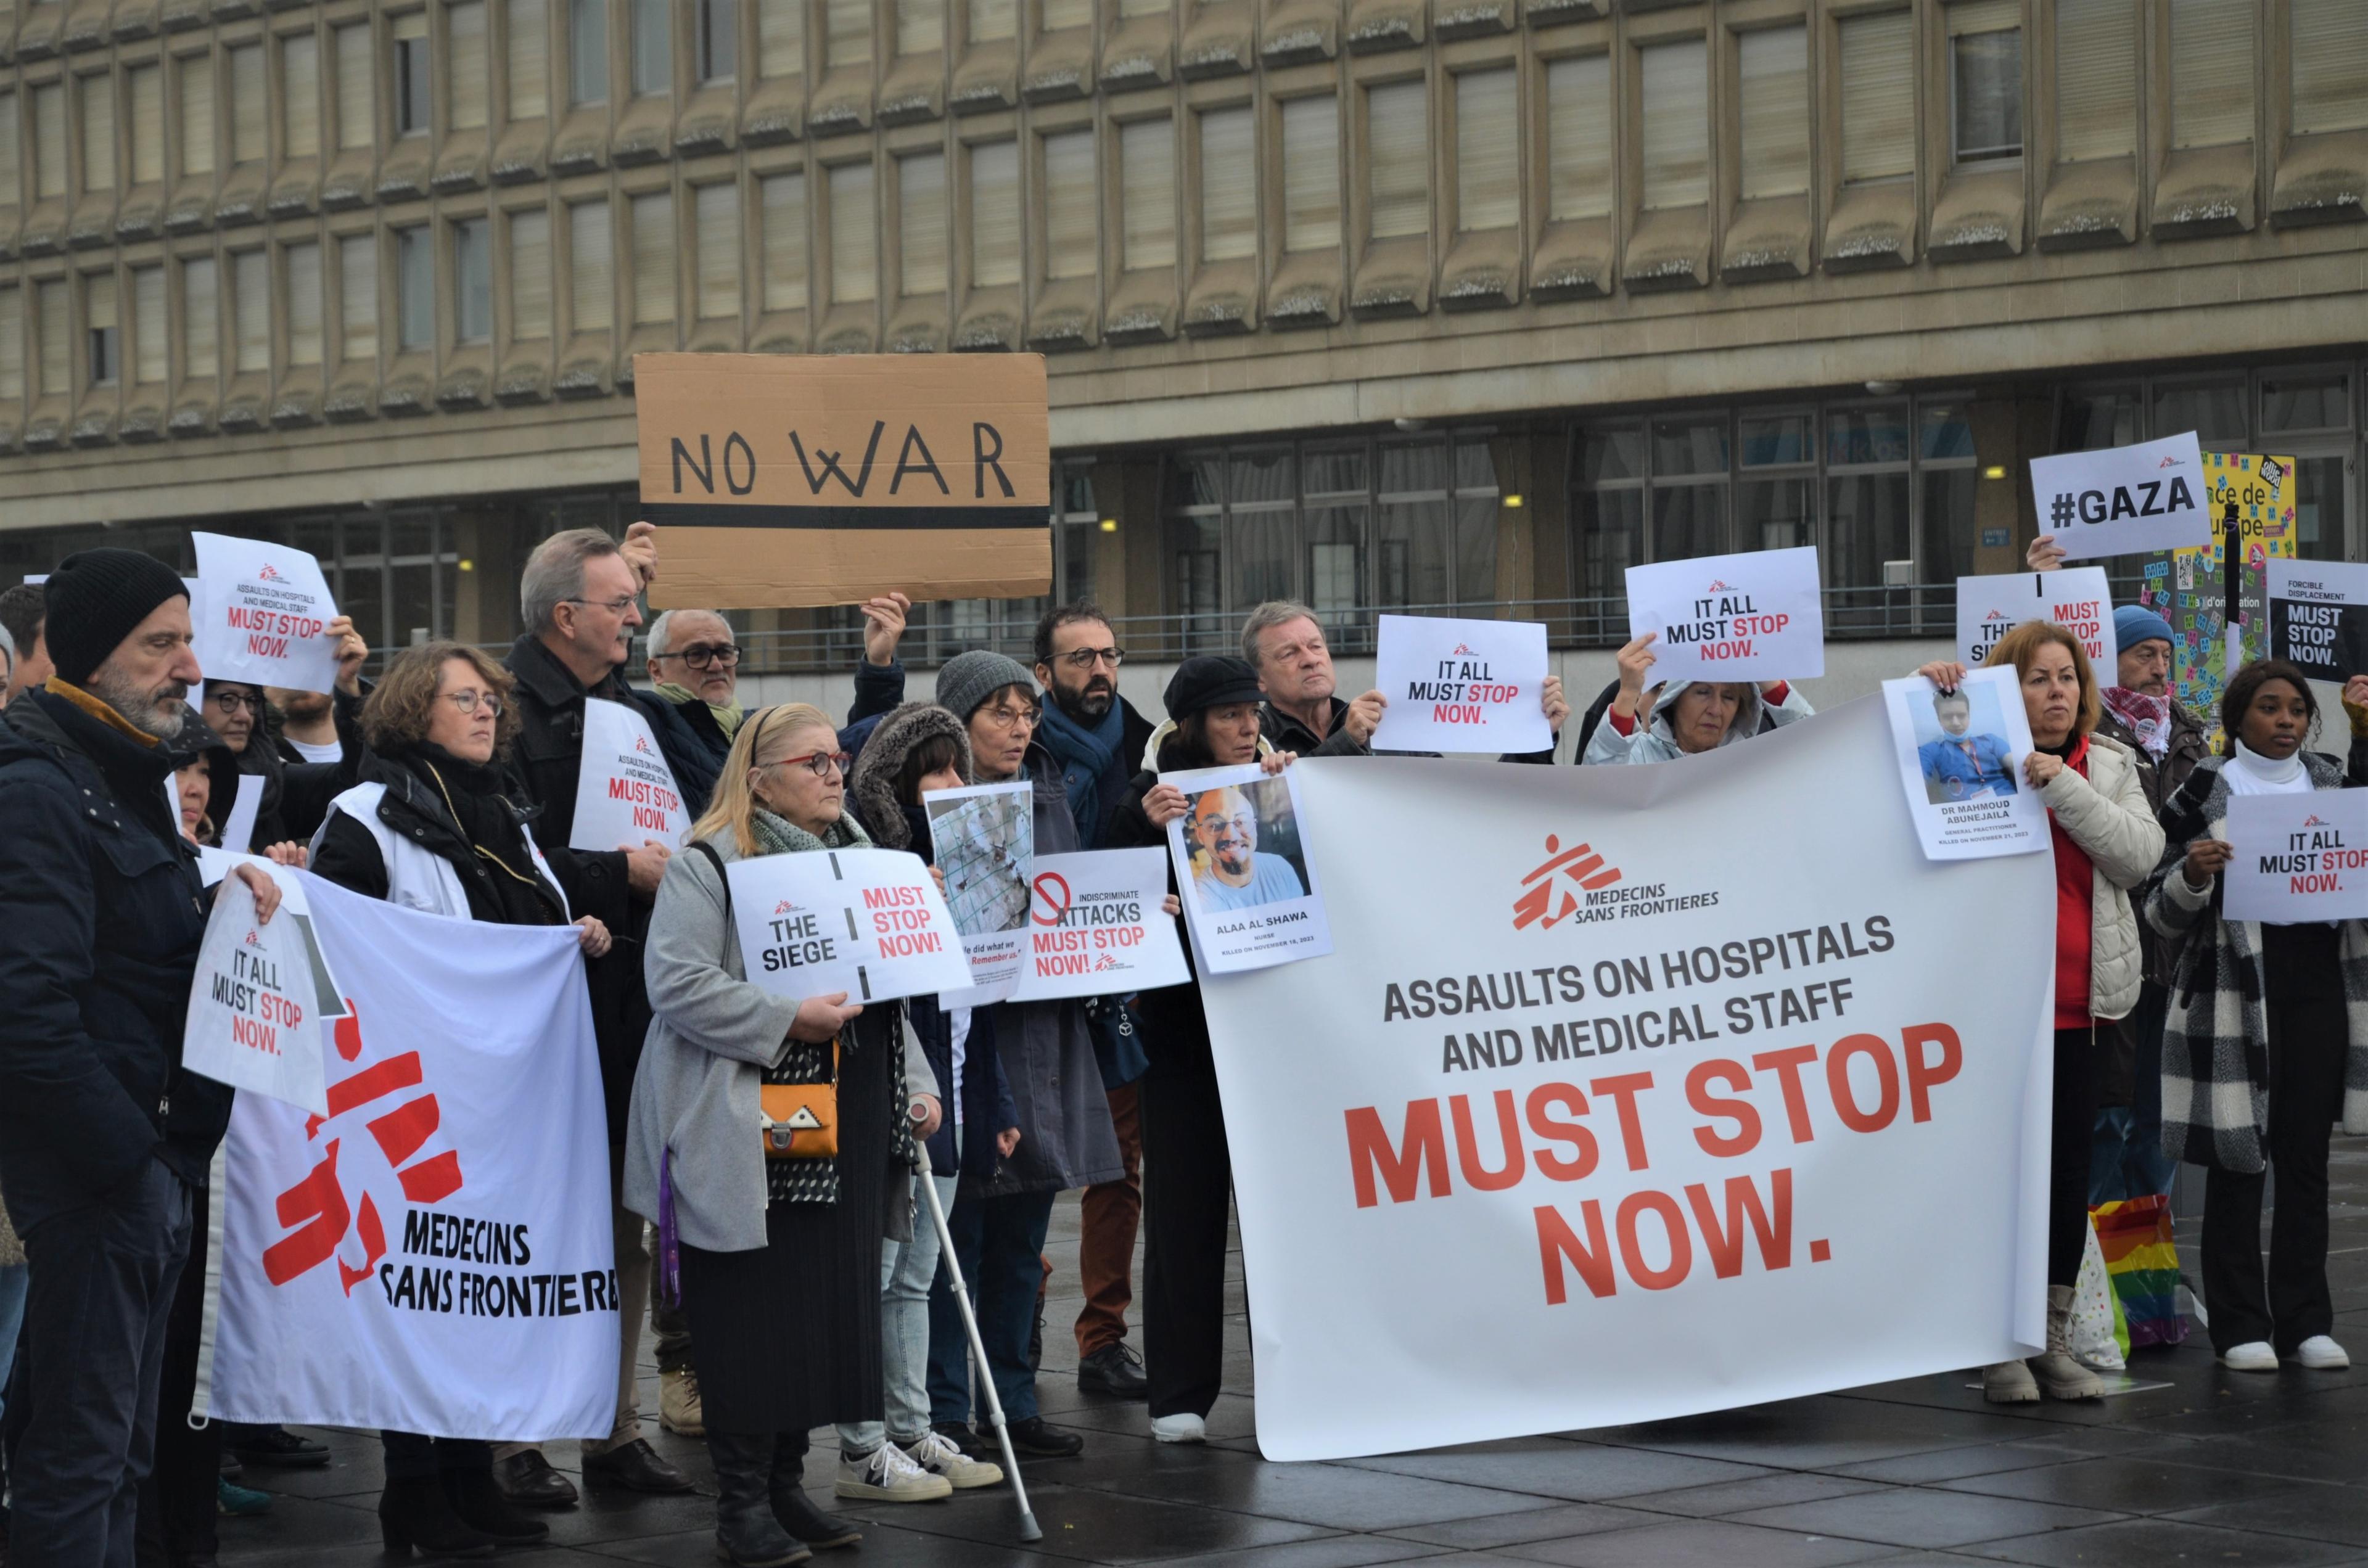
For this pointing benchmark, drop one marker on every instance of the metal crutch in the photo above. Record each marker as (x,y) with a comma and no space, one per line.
(1028,1529)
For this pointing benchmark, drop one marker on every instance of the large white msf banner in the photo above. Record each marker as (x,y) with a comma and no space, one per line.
(1629,1092)
(435,1254)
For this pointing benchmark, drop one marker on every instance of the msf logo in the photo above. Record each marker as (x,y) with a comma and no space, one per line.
(641,744)
(1580,864)
(269,573)
(376,1142)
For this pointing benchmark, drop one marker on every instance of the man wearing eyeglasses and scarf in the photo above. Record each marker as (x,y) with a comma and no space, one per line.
(694,663)
(579,600)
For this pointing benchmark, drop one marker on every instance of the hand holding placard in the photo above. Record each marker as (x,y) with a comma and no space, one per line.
(1461,684)
(1755,616)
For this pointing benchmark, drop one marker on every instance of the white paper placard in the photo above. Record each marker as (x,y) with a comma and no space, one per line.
(2298,857)
(238,833)
(867,922)
(2123,500)
(264,615)
(1240,851)
(2318,615)
(2077,598)
(1461,684)
(254,1018)
(1094,926)
(1959,759)
(984,840)
(626,793)
(1753,616)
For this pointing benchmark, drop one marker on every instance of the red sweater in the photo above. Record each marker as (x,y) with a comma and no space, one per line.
(2075,900)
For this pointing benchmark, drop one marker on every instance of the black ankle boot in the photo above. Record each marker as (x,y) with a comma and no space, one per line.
(416,1515)
(747,1533)
(794,1509)
(481,1506)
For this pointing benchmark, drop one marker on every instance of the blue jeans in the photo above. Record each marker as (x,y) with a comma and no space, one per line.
(1001,1243)
(905,1270)
(13,1280)
(2126,1158)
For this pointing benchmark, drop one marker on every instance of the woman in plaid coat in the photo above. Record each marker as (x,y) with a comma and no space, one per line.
(2267,1043)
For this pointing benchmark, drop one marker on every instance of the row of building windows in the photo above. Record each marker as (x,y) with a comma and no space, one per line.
(190,115)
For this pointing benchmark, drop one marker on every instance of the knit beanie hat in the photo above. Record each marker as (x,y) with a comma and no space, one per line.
(968,679)
(2134,625)
(95,599)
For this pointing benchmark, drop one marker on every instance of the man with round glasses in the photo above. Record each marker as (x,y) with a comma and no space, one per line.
(694,663)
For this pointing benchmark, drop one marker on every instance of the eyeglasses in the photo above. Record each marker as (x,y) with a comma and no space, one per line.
(231,702)
(614,606)
(1011,718)
(704,656)
(471,703)
(1087,658)
(821,764)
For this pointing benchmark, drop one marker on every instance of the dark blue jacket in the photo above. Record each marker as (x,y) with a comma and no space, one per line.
(879,691)
(106,912)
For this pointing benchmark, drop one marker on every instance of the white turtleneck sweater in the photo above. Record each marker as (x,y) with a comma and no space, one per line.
(2251,773)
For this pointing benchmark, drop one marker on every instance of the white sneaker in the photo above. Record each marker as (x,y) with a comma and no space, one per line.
(2321,1354)
(932,1453)
(885,1475)
(1184,1428)
(2253,1355)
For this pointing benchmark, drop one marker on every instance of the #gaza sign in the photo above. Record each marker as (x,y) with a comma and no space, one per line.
(1755,616)
(786,480)
(2123,500)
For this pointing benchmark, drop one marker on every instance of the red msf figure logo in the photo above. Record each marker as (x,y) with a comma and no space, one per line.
(1581,864)
(641,744)
(386,1101)
(269,573)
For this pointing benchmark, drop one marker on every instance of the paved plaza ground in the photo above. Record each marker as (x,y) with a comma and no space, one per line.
(2217,1468)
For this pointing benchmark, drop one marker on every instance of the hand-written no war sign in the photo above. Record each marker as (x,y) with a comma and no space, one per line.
(785,481)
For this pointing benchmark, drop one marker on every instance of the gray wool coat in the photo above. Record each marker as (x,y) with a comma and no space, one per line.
(712,1037)
(1066,1138)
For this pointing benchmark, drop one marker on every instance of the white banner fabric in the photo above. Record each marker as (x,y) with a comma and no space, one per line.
(264,614)
(626,794)
(2077,598)
(2299,858)
(1094,926)
(435,1254)
(1752,616)
(1606,1092)
(1460,686)
(2123,500)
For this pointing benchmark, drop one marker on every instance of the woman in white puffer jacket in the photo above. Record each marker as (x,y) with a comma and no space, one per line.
(2106,842)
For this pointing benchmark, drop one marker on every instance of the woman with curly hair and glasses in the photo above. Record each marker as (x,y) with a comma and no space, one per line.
(435,825)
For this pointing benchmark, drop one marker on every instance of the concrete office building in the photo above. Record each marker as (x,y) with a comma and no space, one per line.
(1372,302)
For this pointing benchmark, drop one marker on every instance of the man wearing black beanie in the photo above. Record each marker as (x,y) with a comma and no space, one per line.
(103,1138)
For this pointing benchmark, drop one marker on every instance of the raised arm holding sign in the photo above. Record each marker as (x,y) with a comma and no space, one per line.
(263,616)
(2125,500)
(1755,616)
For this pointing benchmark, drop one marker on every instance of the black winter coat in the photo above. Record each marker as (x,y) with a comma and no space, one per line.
(1175,1027)
(106,910)
(296,794)
(348,854)
(549,761)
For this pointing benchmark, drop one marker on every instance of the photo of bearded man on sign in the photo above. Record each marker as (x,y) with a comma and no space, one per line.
(1228,873)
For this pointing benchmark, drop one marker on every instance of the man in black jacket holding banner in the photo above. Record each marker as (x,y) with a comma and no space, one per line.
(579,600)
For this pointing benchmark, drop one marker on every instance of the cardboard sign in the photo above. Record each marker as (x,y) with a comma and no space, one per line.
(264,615)
(788,480)
(254,1018)
(1754,616)
(867,922)
(2299,858)
(1462,685)
(2077,598)
(626,793)
(2318,616)
(1095,928)
(1242,865)
(1960,758)
(2123,500)
(984,840)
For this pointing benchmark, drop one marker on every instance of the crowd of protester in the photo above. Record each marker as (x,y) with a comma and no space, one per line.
(810,1291)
